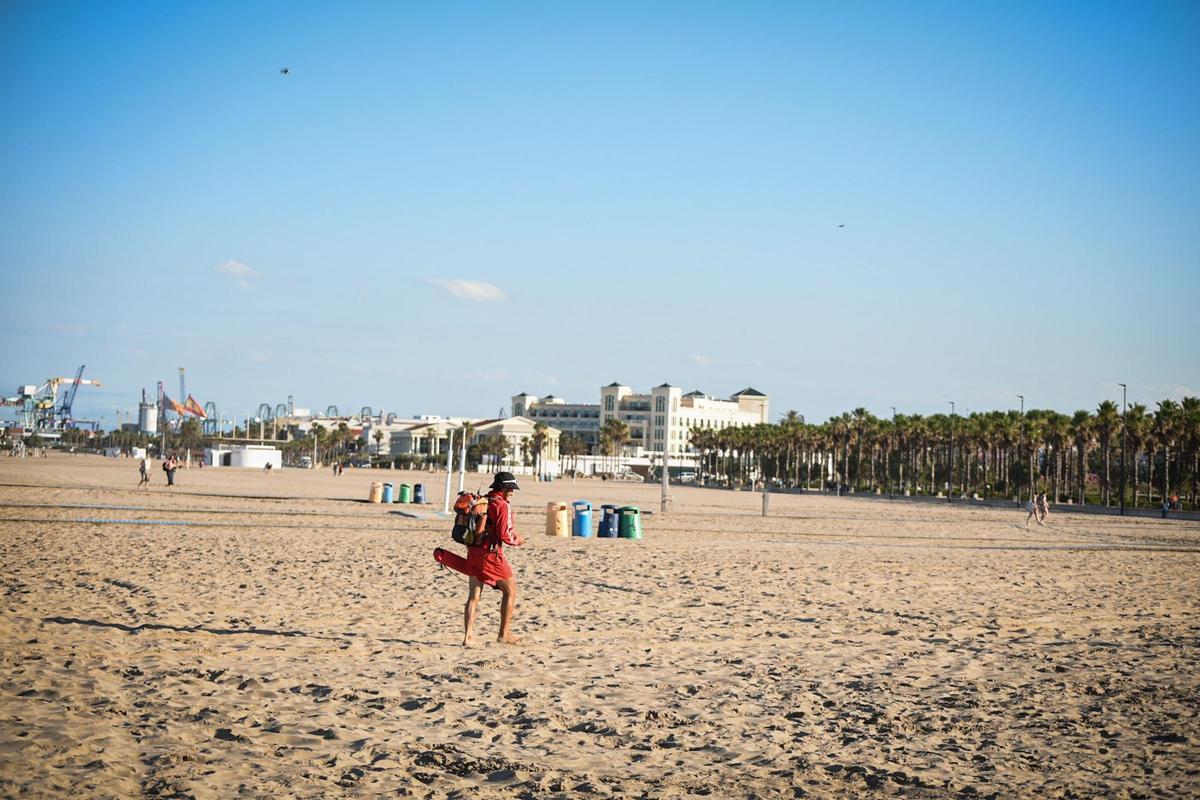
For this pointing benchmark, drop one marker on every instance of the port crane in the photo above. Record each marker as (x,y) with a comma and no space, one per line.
(40,408)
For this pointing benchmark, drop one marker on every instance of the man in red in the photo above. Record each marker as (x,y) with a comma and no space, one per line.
(487,563)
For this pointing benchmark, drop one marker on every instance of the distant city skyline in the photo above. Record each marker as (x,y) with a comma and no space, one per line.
(436,208)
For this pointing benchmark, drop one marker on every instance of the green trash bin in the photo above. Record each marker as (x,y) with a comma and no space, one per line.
(631,523)
(405,493)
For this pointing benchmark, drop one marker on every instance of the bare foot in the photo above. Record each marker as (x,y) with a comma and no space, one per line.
(508,639)
(468,641)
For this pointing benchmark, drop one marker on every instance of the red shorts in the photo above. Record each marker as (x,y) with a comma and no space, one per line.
(488,565)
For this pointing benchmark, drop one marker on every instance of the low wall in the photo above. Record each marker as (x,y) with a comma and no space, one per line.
(1057,508)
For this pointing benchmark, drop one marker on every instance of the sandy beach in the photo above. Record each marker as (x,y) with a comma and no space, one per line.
(291,640)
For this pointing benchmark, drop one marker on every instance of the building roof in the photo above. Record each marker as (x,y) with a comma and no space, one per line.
(749,391)
(695,393)
(614,385)
(665,386)
(524,394)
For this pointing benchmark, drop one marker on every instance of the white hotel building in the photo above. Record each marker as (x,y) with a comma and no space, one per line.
(660,420)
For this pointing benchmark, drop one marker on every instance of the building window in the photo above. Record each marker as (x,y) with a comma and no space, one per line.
(608,403)
(660,403)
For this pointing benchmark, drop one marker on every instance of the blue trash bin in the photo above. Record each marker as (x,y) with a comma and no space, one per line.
(610,519)
(582,525)
(387,493)
(419,493)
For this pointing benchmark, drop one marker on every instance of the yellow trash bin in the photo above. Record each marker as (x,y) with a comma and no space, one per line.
(556,520)
(376,495)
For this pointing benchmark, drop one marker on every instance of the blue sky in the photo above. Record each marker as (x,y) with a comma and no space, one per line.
(654,192)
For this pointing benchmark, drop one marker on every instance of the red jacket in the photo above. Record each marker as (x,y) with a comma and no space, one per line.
(499,525)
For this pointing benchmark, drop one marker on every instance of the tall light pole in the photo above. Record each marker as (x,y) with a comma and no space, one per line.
(449,470)
(1124,433)
(950,465)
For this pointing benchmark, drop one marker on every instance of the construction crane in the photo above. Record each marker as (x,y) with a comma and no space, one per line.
(63,419)
(40,409)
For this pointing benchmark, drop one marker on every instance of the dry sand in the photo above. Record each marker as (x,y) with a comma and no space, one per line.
(294,641)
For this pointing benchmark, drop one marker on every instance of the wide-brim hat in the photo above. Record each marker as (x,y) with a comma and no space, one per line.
(504,480)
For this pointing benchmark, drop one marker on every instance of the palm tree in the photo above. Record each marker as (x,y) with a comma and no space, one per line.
(495,446)
(342,437)
(1009,439)
(1084,437)
(319,438)
(537,443)
(1034,423)
(860,422)
(839,428)
(1166,430)
(190,437)
(1189,410)
(1056,433)
(572,446)
(616,433)
(1108,421)
(702,440)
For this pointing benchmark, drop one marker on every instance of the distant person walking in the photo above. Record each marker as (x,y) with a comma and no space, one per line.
(144,471)
(1031,507)
(169,467)
(1043,508)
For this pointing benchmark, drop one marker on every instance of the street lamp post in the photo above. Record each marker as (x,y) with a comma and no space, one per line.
(1124,432)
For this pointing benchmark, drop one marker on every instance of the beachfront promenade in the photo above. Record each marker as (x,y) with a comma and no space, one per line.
(282,637)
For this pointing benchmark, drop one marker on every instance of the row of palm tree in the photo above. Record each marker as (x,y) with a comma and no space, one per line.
(991,454)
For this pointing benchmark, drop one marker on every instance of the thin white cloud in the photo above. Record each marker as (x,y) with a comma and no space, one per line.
(701,360)
(475,291)
(241,274)
(259,357)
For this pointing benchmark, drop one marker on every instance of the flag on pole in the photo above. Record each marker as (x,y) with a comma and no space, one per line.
(174,406)
(194,408)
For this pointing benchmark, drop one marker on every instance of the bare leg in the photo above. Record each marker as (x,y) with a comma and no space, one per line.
(473,594)
(508,607)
